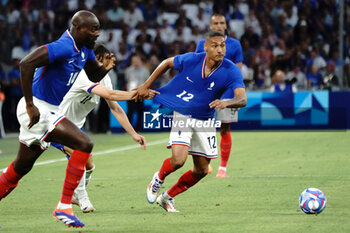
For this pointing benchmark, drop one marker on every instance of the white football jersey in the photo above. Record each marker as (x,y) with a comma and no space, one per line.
(79,101)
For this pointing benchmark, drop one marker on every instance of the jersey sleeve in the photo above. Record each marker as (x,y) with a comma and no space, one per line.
(83,82)
(179,60)
(235,79)
(238,54)
(58,50)
(107,82)
(200,46)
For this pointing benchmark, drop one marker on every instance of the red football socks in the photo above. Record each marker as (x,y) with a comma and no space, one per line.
(186,181)
(8,181)
(74,172)
(225,148)
(165,170)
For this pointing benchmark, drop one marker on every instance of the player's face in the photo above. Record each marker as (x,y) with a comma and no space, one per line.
(215,48)
(91,34)
(218,23)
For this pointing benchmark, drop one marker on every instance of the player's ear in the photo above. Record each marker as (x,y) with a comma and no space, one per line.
(205,46)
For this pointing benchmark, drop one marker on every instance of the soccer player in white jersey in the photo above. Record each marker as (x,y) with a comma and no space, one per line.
(193,94)
(226,116)
(47,74)
(79,102)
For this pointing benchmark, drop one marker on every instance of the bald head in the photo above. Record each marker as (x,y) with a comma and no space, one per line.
(84,18)
(85,28)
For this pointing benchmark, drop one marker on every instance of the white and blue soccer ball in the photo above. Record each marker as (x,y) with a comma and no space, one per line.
(312,201)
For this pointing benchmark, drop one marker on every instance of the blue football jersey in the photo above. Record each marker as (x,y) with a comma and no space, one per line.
(190,93)
(233,53)
(52,82)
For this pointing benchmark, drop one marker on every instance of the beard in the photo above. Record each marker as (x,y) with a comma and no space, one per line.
(90,45)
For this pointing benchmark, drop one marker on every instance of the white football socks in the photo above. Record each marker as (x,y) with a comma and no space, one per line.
(63,206)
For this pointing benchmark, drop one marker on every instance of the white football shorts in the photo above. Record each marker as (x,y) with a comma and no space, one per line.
(227,115)
(200,139)
(49,119)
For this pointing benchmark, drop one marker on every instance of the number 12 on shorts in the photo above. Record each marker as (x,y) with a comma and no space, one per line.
(212,142)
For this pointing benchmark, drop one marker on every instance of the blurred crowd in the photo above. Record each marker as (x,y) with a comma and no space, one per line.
(287,45)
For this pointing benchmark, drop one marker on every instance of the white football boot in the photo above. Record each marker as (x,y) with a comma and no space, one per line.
(83,201)
(167,203)
(75,199)
(154,188)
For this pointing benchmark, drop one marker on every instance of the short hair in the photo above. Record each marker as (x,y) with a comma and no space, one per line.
(212,33)
(100,49)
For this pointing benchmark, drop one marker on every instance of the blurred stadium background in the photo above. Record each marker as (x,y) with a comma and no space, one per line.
(299,38)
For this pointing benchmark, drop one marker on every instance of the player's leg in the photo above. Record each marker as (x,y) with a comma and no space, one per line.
(176,161)
(90,167)
(225,148)
(191,177)
(23,163)
(186,181)
(68,134)
(80,195)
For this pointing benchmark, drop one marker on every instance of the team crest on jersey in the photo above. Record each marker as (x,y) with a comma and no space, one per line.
(211,86)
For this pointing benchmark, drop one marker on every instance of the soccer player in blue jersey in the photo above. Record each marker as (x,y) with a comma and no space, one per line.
(47,74)
(229,115)
(193,94)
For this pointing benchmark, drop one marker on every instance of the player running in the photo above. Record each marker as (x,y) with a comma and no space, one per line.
(47,74)
(228,115)
(193,94)
(79,102)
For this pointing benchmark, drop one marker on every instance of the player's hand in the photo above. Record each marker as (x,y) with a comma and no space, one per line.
(34,115)
(140,140)
(151,94)
(108,61)
(141,92)
(218,104)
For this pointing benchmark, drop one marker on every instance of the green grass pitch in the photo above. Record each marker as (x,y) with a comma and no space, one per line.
(267,172)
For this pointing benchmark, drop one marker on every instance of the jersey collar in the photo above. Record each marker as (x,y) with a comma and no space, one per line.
(75,46)
(203,68)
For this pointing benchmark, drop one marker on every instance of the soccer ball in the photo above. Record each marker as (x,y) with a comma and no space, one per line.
(312,201)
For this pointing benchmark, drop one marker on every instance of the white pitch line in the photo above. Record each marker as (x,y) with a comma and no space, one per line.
(124,148)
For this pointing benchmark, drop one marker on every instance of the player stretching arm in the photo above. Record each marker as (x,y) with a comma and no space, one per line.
(193,94)
(79,102)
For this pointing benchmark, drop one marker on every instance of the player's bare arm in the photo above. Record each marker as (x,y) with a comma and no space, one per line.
(120,115)
(37,58)
(143,90)
(116,95)
(240,100)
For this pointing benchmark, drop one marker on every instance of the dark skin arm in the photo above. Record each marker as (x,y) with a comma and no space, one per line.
(39,57)
(96,70)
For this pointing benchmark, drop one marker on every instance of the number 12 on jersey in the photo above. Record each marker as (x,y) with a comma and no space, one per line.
(184,95)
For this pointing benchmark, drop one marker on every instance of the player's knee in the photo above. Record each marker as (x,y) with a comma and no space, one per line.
(225,128)
(200,173)
(177,163)
(23,169)
(86,145)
